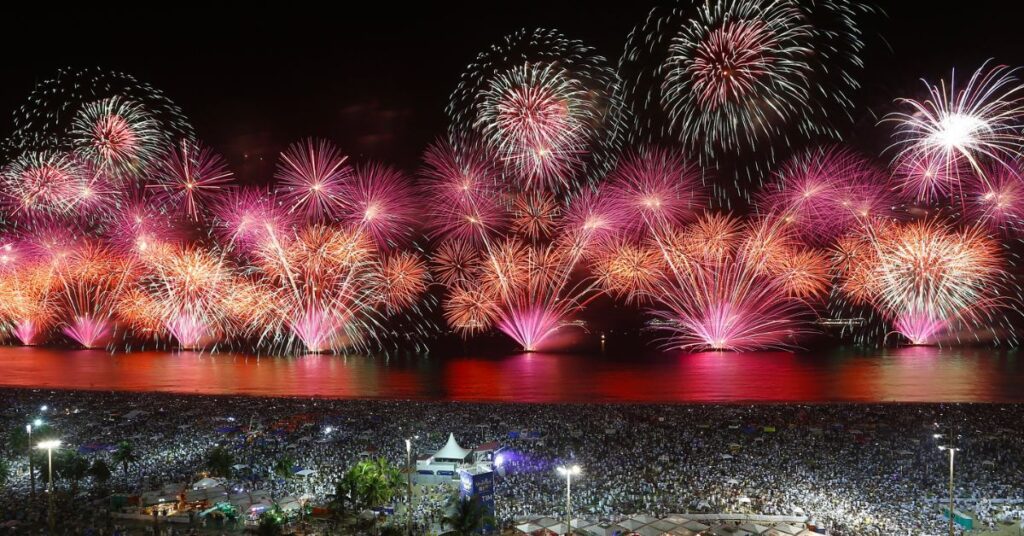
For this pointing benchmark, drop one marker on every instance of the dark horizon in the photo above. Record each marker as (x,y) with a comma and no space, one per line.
(376,79)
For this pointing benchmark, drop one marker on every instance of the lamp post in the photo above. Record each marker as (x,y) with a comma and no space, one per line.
(49,446)
(408,478)
(952,454)
(568,472)
(31,465)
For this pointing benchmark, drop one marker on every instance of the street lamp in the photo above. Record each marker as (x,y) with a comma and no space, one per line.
(408,477)
(31,467)
(568,473)
(49,446)
(952,453)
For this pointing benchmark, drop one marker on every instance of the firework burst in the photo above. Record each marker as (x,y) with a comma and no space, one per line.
(190,175)
(960,127)
(312,176)
(543,104)
(117,135)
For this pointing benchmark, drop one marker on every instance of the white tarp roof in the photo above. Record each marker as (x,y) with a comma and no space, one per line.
(451,450)
(206,483)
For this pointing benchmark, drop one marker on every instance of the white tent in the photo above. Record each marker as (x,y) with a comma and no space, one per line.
(206,483)
(289,504)
(451,451)
(305,473)
(546,522)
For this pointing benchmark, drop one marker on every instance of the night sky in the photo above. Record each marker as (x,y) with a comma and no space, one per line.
(375,77)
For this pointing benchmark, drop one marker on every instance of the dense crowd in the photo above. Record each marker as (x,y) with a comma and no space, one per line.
(853,469)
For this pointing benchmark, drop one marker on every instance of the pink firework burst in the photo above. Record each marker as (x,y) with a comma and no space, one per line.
(380,201)
(735,60)
(464,199)
(825,191)
(312,175)
(920,328)
(729,306)
(248,217)
(39,183)
(998,202)
(116,134)
(657,186)
(591,220)
(188,176)
(930,178)
(138,227)
(530,324)
(535,118)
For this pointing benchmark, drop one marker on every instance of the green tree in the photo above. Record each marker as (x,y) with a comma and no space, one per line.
(469,517)
(5,470)
(124,456)
(100,472)
(219,461)
(282,469)
(271,522)
(72,467)
(371,483)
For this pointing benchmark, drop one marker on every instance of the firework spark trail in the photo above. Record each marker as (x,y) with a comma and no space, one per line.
(517,277)
(312,176)
(544,105)
(924,276)
(117,135)
(188,176)
(960,127)
(91,281)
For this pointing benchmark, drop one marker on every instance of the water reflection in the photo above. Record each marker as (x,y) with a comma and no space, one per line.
(917,374)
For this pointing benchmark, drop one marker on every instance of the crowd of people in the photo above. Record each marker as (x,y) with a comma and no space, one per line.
(852,469)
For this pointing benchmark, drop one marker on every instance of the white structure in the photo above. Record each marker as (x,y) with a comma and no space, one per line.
(444,465)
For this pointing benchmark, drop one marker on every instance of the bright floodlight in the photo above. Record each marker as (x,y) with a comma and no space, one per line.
(37,422)
(49,445)
(43,408)
(574,470)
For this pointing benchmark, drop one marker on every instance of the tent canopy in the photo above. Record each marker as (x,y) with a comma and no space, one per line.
(451,451)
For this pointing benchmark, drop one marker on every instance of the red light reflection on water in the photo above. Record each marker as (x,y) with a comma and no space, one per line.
(918,374)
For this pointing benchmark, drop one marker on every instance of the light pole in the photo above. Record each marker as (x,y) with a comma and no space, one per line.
(49,446)
(408,478)
(952,454)
(568,472)
(31,466)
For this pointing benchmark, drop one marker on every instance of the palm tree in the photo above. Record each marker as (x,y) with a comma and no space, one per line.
(73,467)
(219,461)
(469,517)
(125,455)
(100,472)
(379,482)
(282,469)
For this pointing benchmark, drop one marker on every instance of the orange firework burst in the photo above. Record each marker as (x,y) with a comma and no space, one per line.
(805,274)
(91,281)
(469,310)
(404,278)
(454,261)
(629,270)
(769,240)
(712,236)
(189,286)
(534,214)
